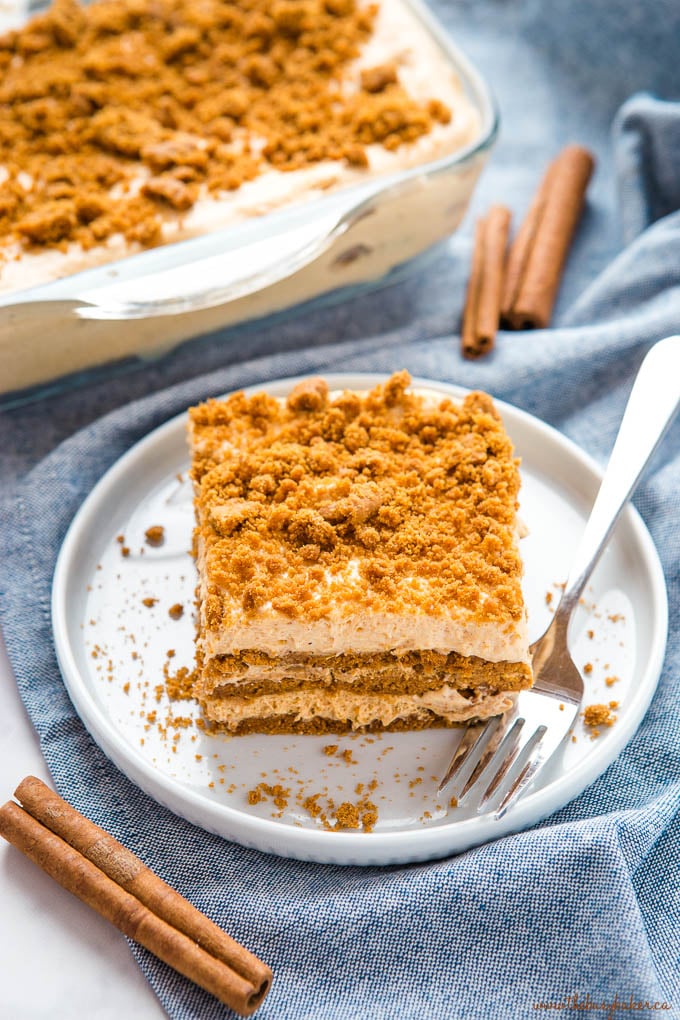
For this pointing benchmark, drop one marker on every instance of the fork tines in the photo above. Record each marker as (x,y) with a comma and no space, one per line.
(490,760)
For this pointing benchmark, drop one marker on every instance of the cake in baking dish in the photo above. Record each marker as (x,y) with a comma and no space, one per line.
(125,124)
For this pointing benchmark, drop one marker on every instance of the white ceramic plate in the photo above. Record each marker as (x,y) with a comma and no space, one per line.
(113,648)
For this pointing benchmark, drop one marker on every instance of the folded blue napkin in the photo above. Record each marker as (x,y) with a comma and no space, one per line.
(588,902)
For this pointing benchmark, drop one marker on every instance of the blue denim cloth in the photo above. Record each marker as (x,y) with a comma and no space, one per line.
(587,903)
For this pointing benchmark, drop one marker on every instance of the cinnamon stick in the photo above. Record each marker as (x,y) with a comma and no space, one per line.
(539,252)
(92,865)
(129,872)
(483,299)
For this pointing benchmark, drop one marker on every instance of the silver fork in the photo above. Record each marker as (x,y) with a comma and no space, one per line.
(495,762)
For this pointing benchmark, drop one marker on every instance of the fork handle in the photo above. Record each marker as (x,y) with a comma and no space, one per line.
(652,405)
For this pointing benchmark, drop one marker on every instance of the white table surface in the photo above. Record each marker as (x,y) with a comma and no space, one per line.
(58,959)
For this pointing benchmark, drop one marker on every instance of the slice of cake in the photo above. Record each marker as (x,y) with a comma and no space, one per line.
(358,560)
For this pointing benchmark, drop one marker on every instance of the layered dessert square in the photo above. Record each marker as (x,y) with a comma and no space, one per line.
(357,558)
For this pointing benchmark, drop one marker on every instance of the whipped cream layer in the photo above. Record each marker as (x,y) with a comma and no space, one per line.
(276,635)
(359,709)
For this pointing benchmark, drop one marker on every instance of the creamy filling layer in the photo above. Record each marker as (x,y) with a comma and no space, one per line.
(375,632)
(358,709)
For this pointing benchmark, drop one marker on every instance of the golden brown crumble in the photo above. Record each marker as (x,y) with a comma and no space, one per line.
(600,715)
(377,79)
(312,806)
(264,791)
(369,816)
(362,815)
(176,611)
(155,535)
(348,816)
(116,114)
(375,502)
(179,685)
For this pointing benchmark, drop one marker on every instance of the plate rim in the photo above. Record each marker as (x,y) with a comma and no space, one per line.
(353,848)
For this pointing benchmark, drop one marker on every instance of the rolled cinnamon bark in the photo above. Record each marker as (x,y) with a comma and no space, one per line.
(131,874)
(520,250)
(539,252)
(485,286)
(116,884)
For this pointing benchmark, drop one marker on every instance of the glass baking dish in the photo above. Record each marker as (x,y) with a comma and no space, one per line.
(143,305)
